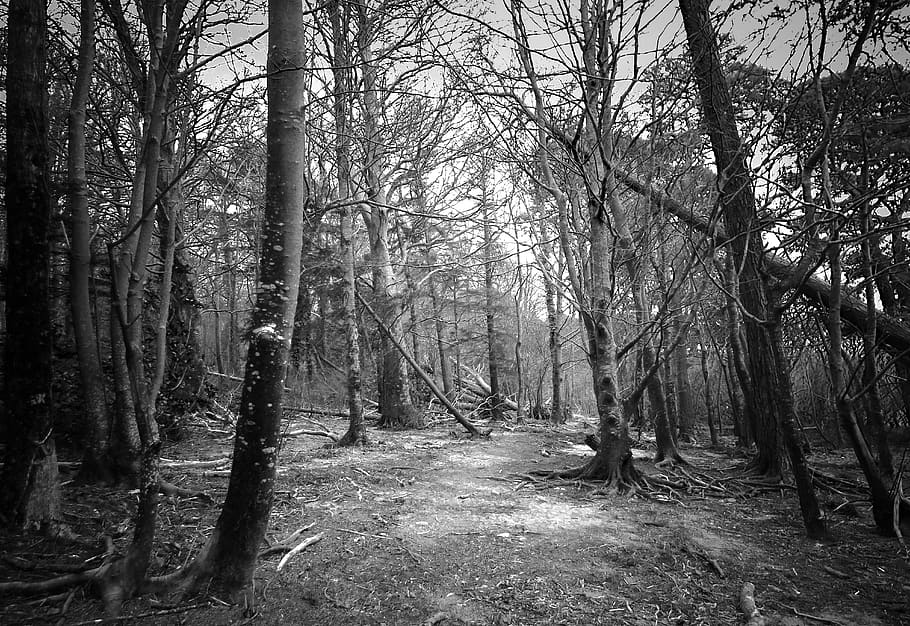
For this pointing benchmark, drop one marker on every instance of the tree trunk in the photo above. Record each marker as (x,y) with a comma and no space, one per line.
(96,460)
(554,343)
(738,202)
(882,503)
(495,402)
(737,354)
(229,558)
(340,19)
(874,419)
(685,401)
(613,460)
(770,395)
(442,348)
(709,404)
(30,495)
(395,405)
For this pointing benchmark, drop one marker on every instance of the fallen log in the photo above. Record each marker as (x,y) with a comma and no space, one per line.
(311,411)
(893,334)
(478,384)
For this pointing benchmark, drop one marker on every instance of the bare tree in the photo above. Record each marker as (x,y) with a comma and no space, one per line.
(228,559)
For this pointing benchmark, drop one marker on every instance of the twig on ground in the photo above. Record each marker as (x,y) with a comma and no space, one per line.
(300,547)
(823,620)
(835,572)
(286,544)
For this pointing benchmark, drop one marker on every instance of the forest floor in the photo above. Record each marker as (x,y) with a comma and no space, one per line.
(432,527)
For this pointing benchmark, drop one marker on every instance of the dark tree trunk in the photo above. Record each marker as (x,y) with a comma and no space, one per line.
(97,463)
(685,401)
(875,418)
(770,395)
(554,343)
(495,403)
(30,496)
(739,386)
(709,404)
(738,202)
(229,558)
(883,506)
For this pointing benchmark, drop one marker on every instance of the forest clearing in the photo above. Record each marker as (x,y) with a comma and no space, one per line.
(435,527)
(454,312)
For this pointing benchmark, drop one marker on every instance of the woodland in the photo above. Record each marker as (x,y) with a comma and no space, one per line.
(451,312)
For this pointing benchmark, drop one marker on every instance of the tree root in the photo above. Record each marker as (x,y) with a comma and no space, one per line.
(51,585)
(626,481)
(286,544)
(74,578)
(662,461)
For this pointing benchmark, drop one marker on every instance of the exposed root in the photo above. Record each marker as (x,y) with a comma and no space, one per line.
(662,461)
(75,578)
(626,480)
(53,584)
(286,544)
(351,440)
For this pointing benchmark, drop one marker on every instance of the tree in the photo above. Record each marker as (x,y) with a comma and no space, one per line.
(228,559)
(340,16)
(97,458)
(770,394)
(30,497)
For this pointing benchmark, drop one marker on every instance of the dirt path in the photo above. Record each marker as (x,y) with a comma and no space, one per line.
(429,527)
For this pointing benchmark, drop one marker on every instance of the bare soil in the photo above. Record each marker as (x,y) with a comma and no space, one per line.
(432,527)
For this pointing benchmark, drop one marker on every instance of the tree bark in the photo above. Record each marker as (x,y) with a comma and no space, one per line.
(743,229)
(709,404)
(340,18)
(229,558)
(882,503)
(97,463)
(495,403)
(30,494)
(395,405)
(684,400)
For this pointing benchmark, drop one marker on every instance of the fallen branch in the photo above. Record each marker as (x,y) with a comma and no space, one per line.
(325,412)
(890,331)
(187,464)
(300,547)
(312,433)
(286,545)
(419,371)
